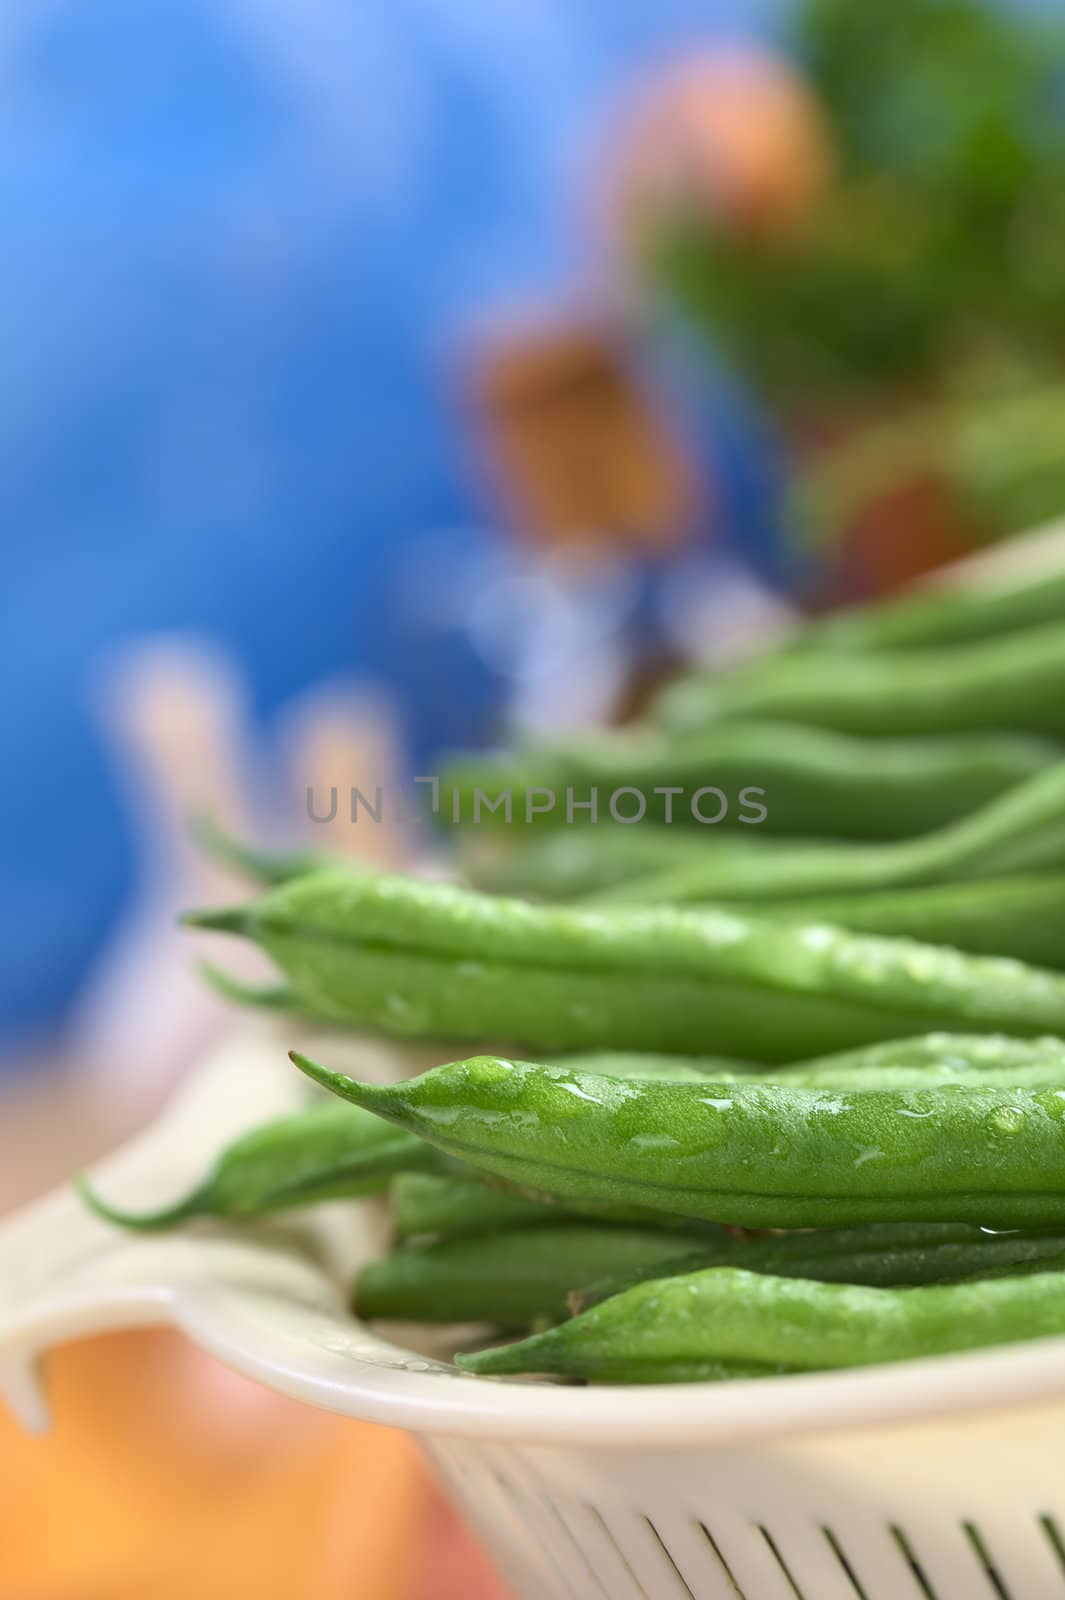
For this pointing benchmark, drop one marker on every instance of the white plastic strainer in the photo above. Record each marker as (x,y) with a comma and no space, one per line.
(933,1480)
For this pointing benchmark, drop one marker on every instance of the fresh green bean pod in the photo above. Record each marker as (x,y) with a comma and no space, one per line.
(323,1153)
(950,1053)
(758,1155)
(726,1314)
(512,1278)
(645,1064)
(932,1059)
(260,865)
(577,861)
(451,1205)
(985,1060)
(1020,832)
(1043,1074)
(447,1205)
(813,782)
(260,996)
(884,1255)
(1012,681)
(428,959)
(945,614)
(1017,917)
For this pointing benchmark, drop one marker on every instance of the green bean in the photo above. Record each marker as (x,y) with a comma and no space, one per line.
(758,1155)
(726,1314)
(814,782)
(1014,681)
(950,1052)
(512,1278)
(942,614)
(429,959)
(582,860)
(325,1152)
(989,1061)
(261,866)
(449,1205)
(1022,831)
(925,1062)
(689,1372)
(640,1064)
(883,1255)
(262,996)
(1017,917)
(1039,1075)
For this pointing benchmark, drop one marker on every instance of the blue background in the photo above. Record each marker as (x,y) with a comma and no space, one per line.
(240,244)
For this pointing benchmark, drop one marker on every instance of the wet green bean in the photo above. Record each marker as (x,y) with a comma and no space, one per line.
(726,1314)
(427,959)
(758,1155)
(324,1153)
(882,1255)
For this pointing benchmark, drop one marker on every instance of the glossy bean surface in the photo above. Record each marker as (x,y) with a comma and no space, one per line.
(758,1155)
(882,1255)
(1020,832)
(1014,681)
(323,1153)
(813,782)
(511,1278)
(429,959)
(726,1314)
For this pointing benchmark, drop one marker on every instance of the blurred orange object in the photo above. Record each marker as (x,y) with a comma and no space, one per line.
(576,450)
(735,135)
(167,1476)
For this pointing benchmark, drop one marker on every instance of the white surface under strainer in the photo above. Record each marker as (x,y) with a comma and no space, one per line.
(935,1480)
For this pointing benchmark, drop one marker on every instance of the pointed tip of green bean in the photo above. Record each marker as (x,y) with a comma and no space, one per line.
(369,1095)
(504,1360)
(145,1221)
(220,919)
(271,997)
(209,835)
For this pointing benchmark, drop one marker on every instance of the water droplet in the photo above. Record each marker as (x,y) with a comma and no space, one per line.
(1007,1119)
(654,1141)
(581,1094)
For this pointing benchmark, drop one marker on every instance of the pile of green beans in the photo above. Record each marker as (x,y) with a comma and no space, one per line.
(539,1274)
(797,1095)
(1020,832)
(434,960)
(941,614)
(1010,681)
(539,1193)
(816,783)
